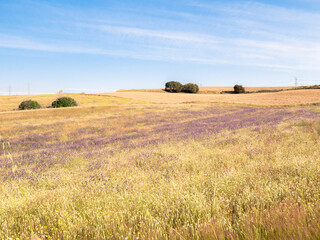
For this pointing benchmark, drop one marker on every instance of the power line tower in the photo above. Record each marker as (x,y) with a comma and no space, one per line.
(296,81)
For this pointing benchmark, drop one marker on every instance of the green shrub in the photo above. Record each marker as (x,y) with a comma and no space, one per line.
(29,104)
(190,88)
(64,102)
(173,86)
(239,89)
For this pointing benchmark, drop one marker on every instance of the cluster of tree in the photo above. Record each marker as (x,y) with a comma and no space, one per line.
(177,87)
(236,89)
(239,89)
(60,102)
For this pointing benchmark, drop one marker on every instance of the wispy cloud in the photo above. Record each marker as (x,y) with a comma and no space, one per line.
(235,51)
(255,17)
(178,36)
(246,34)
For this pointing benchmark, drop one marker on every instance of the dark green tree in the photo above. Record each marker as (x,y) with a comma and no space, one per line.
(190,88)
(64,102)
(173,86)
(29,104)
(239,89)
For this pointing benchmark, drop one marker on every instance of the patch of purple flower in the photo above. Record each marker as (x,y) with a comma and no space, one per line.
(138,129)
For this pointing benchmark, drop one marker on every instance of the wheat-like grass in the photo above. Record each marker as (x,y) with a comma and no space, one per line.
(186,171)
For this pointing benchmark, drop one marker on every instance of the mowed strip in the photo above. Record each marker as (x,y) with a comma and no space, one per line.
(285,98)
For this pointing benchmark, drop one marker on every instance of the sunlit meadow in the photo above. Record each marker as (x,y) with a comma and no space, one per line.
(128,170)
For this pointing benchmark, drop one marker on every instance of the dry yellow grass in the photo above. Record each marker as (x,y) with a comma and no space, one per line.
(115,169)
(297,97)
(11,103)
(130,171)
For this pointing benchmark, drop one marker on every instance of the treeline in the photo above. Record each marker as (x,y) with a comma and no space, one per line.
(241,89)
(177,87)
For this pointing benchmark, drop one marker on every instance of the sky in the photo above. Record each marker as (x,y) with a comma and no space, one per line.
(106,45)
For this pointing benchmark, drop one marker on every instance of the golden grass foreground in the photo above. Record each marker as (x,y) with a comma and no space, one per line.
(115,168)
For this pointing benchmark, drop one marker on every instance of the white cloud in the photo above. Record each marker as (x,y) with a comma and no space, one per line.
(247,34)
(154,33)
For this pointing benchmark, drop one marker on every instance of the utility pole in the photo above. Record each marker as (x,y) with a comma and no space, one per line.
(296,81)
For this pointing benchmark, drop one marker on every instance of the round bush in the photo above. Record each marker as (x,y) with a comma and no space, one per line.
(239,89)
(190,88)
(173,86)
(29,104)
(64,102)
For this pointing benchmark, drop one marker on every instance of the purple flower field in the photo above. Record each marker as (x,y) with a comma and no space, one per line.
(42,143)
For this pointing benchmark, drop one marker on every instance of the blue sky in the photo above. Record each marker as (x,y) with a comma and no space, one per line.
(101,46)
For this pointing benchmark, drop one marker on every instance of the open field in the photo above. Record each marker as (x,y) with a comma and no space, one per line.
(130,170)
(311,96)
(210,90)
(248,89)
(11,103)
